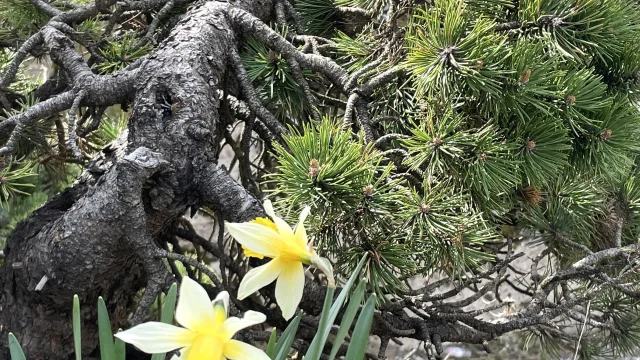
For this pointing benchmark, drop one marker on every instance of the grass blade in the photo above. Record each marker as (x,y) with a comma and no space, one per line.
(169,306)
(168,310)
(271,346)
(315,349)
(347,318)
(360,338)
(15,349)
(107,350)
(286,339)
(77,331)
(329,314)
(120,350)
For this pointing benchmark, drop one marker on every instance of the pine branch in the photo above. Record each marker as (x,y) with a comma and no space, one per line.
(262,32)
(253,101)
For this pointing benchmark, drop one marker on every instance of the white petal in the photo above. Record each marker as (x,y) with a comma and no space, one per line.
(194,310)
(237,350)
(234,324)
(222,297)
(283,228)
(220,308)
(259,277)
(256,237)
(156,337)
(268,208)
(289,289)
(301,232)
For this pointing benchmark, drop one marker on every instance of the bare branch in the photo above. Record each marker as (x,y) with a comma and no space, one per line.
(73,139)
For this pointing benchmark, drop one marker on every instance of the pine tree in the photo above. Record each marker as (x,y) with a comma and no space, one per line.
(436,137)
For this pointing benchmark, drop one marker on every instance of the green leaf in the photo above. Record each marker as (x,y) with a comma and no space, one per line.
(120,350)
(315,350)
(169,306)
(347,319)
(168,310)
(77,338)
(283,345)
(107,349)
(329,314)
(15,349)
(272,344)
(360,338)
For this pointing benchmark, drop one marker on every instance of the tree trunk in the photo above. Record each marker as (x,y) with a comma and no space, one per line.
(97,237)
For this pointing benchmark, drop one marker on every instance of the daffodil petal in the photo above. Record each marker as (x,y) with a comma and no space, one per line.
(289,288)
(234,324)
(283,228)
(258,238)
(259,277)
(268,208)
(207,347)
(301,232)
(237,350)
(220,308)
(156,337)
(194,310)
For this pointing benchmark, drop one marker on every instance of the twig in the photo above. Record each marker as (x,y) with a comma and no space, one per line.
(73,139)
(195,263)
(389,137)
(40,110)
(297,73)
(619,225)
(95,122)
(586,317)
(154,24)
(46,8)
(297,21)
(18,58)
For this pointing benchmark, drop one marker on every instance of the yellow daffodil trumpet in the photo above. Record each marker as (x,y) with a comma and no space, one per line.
(289,250)
(207,332)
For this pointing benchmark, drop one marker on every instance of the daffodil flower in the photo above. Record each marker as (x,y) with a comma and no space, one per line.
(207,332)
(290,250)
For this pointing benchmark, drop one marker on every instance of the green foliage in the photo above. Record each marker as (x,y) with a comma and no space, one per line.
(121,53)
(274,80)
(330,310)
(450,50)
(14,179)
(357,208)
(19,19)
(317,16)
(15,348)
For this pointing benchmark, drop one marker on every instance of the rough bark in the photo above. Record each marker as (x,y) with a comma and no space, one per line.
(97,238)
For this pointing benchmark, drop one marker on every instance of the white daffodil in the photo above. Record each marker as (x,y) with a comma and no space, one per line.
(207,331)
(288,248)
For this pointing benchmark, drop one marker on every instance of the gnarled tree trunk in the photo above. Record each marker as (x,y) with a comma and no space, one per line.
(97,238)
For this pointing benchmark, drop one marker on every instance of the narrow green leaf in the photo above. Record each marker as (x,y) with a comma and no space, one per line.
(15,349)
(360,338)
(77,338)
(271,346)
(315,349)
(169,306)
(329,314)
(107,349)
(120,348)
(168,310)
(286,339)
(347,318)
